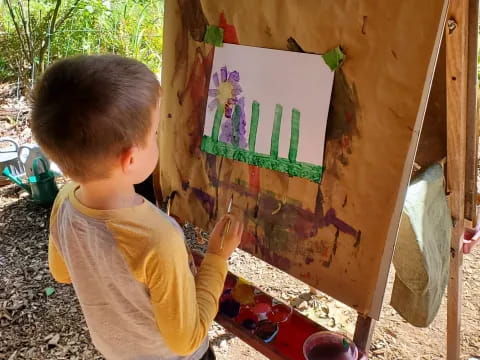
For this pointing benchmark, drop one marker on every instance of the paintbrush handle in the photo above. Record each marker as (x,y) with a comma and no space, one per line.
(225,232)
(227,227)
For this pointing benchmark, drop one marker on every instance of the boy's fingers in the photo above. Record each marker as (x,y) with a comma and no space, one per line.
(220,226)
(240,233)
(476,236)
(234,227)
(240,229)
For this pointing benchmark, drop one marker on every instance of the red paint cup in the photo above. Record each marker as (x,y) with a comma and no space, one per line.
(280,313)
(263,298)
(247,318)
(262,304)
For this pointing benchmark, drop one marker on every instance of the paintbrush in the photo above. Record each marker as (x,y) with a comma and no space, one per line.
(169,202)
(227,225)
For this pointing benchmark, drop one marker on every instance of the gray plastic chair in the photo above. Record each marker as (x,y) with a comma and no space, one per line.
(9,157)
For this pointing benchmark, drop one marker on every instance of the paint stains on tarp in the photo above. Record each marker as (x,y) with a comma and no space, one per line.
(229,31)
(254,179)
(211,162)
(305,275)
(357,241)
(305,222)
(211,167)
(342,115)
(290,225)
(331,219)
(193,18)
(197,91)
(249,240)
(275,259)
(207,200)
(194,24)
(341,124)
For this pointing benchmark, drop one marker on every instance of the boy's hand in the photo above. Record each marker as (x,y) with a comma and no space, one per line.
(230,240)
(471,238)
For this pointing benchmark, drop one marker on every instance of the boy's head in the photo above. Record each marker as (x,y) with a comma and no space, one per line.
(97,117)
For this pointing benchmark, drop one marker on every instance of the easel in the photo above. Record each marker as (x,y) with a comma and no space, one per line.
(462,137)
(456,76)
(461,39)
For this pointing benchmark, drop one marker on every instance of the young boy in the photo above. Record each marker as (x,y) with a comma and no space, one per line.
(97,118)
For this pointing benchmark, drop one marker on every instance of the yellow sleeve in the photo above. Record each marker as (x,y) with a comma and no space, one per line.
(184,306)
(56,264)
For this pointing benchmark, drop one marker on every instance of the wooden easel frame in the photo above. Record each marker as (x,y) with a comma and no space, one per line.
(462,138)
(461,38)
(460,35)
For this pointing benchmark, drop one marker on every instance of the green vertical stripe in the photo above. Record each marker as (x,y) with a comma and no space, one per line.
(236,124)
(217,121)
(252,138)
(294,136)
(276,131)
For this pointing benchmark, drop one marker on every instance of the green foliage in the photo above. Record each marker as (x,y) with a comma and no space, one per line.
(22,35)
(131,28)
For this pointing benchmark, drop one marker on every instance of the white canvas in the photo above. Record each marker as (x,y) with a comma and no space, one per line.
(270,77)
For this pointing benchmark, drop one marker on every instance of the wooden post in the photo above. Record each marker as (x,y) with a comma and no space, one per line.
(457,54)
(471,119)
(364,332)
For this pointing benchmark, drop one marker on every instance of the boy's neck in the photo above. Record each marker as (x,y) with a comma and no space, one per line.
(108,195)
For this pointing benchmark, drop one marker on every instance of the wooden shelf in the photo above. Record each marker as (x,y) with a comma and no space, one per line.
(287,345)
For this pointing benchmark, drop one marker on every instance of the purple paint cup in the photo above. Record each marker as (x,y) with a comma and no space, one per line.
(327,345)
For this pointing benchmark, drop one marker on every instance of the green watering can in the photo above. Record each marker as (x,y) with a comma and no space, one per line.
(41,185)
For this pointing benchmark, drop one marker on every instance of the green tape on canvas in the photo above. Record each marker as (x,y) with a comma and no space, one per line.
(299,169)
(214,35)
(334,58)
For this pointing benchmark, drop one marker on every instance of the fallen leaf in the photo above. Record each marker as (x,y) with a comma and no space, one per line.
(54,341)
(49,291)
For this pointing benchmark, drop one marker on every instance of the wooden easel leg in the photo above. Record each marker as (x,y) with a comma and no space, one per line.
(454,305)
(364,332)
(457,55)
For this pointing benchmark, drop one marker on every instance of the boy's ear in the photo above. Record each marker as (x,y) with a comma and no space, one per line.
(127,159)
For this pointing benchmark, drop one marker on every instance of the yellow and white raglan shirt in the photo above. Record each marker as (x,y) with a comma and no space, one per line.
(130,271)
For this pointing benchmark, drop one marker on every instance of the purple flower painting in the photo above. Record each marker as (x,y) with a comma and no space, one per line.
(227,95)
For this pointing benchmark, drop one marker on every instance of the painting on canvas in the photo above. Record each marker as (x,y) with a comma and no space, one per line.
(269,108)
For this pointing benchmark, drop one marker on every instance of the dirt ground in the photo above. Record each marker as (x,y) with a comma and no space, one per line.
(40,319)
